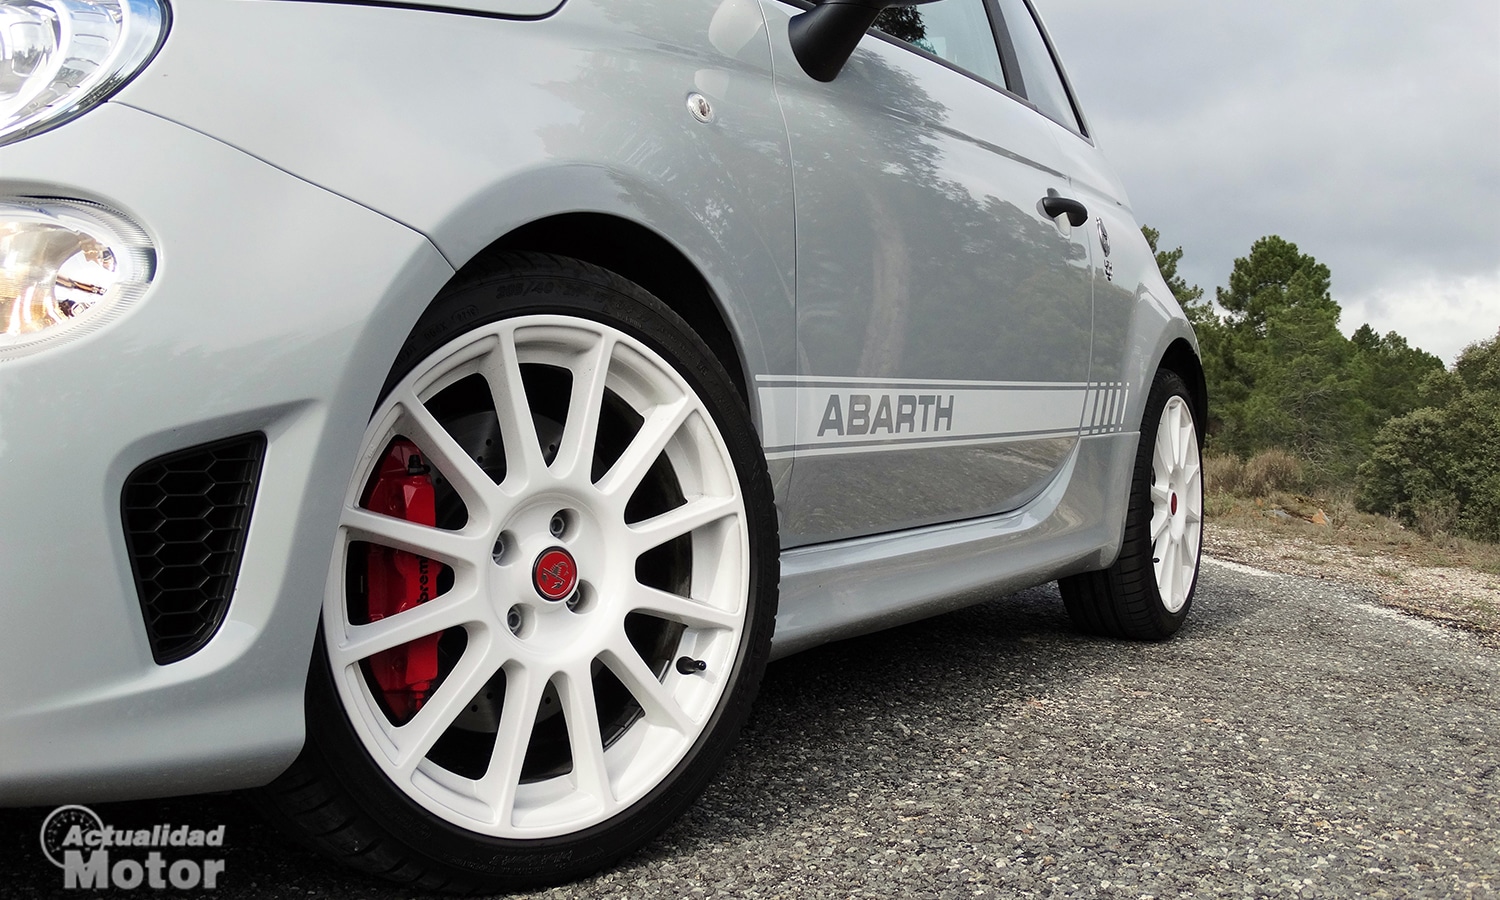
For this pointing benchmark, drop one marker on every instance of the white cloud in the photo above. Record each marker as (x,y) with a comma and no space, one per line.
(1440,315)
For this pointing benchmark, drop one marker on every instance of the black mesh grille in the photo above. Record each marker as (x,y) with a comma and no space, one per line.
(186,514)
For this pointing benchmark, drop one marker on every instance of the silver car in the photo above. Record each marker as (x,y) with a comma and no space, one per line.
(437,414)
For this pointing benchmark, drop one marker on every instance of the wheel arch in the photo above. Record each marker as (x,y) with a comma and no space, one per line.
(1183,360)
(639,254)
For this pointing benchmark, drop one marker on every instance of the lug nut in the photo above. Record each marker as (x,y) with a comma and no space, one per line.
(513,620)
(559,525)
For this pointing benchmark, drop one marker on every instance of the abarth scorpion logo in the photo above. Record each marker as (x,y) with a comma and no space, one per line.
(1109,266)
(555,574)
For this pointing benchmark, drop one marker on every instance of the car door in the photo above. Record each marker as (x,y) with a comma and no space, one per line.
(943,318)
(1123,262)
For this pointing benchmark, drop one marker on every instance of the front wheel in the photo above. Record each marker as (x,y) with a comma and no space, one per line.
(1146,594)
(552,591)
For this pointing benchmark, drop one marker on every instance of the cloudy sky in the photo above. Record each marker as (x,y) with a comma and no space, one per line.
(1365,131)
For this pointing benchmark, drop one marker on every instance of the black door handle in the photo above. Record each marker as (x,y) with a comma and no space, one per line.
(1055,206)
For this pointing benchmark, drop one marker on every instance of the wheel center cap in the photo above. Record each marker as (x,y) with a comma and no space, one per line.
(555,574)
(1174,504)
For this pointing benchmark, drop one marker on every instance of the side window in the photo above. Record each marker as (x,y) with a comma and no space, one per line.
(1040,78)
(957,31)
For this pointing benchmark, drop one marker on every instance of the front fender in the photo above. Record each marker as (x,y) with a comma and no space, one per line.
(584,111)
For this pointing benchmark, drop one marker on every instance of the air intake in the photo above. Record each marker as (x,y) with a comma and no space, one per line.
(186,515)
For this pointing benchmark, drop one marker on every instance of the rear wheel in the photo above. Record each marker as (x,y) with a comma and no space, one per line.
(552,591)
(1146,594)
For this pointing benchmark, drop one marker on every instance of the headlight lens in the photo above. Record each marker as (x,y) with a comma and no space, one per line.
(59,58)
(66,267)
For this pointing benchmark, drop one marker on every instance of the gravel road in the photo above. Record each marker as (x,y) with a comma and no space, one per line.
(1291,741)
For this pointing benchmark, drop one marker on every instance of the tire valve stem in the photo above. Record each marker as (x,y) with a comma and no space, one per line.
(689,666)
(414,466)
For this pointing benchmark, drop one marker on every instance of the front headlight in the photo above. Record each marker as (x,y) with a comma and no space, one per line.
(66,267)
(60,58)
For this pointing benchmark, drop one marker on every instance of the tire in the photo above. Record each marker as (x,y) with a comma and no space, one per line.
(598,563)
(1148,591)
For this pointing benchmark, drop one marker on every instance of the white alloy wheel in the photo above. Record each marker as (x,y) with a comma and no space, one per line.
(570,683)
(1176,504)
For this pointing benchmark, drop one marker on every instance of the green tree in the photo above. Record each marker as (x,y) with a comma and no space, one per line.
(1280,373)
(1439,465)
(1393,372)
(1285,376)
(1275,277)
(1307,394)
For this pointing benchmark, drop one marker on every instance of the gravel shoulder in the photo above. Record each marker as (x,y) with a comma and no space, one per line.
(1295,740)
(1453,596)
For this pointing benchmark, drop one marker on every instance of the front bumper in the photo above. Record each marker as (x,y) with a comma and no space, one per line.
(277,307)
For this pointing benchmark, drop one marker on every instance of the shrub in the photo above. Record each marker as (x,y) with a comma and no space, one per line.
(1223,475)
(1270,471)
(1439,467)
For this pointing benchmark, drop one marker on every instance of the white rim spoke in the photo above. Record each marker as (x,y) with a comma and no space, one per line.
(581,711)
(1174,431)
(1179,573)
(414,739)
(656,701)
(523,451)
(453,547)
(1193,483)
(580,432)
(686,518)
(656,432)
(1169,560)
(471,482)
(523,698)
(433,617)
(1160,521)
(682,610)
(1162,460)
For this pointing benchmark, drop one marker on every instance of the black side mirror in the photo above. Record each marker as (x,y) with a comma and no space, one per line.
(824,37)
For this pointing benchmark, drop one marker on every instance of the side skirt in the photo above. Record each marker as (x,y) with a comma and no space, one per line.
(847,588)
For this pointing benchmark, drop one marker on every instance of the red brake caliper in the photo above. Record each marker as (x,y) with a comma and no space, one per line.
(398,581)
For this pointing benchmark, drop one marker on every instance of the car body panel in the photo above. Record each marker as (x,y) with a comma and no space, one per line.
(309,198)
(588,113)
(1136,317)
(245,328)
(925,269)
(847,588)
